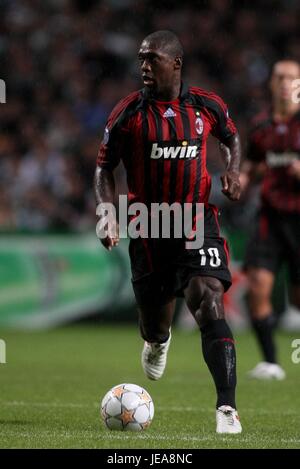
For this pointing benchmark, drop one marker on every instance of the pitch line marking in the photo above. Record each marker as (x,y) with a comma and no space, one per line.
(72,405)
(149,437)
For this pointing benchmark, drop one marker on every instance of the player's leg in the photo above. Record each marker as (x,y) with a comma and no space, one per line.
(202,277)
(155,321)
(260,286)
(204,297)
(263,258)
(155,326)
(156,304)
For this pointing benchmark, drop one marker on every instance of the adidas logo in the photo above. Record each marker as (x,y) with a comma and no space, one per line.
(169,113)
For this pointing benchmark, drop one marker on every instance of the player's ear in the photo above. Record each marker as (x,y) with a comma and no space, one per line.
(177,63)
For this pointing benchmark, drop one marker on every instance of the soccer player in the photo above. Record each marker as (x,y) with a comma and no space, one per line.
(274,156)
(168,117)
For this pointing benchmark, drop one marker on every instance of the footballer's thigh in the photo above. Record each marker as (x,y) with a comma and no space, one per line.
(203,277)
(155,320)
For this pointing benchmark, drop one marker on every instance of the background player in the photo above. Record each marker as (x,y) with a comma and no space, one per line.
(141,130)
(274,155)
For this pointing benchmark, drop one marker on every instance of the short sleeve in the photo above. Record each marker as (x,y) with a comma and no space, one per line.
(112,145)
(116,133)
(222,126)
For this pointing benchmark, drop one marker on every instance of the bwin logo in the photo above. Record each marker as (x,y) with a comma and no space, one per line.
(183,151)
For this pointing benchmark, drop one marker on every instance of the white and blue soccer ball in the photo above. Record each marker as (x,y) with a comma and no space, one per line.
(127,407)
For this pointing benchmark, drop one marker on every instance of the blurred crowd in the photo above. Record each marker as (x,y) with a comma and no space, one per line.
(67,62)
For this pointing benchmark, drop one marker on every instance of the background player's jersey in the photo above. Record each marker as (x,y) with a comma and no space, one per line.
(277,144)
(163,144)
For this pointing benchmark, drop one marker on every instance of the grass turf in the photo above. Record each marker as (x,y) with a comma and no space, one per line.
(53,381)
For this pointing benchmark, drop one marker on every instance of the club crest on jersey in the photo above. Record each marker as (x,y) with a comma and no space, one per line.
(199,125)
(182,151)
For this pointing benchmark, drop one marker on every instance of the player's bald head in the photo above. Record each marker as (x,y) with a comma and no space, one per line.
(166,41)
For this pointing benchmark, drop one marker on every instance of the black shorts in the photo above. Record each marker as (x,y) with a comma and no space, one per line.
(161,268)
(276,240)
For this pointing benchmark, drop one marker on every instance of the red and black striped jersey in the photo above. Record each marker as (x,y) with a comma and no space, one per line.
(278,145)
(163,144)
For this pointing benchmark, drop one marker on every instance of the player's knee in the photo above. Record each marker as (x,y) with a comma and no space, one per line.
(208,305)
(259,286)
(260,279)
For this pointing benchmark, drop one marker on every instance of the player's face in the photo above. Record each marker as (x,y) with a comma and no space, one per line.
(284,73)
(157,66)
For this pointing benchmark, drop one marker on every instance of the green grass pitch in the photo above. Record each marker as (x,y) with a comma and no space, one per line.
(52,383)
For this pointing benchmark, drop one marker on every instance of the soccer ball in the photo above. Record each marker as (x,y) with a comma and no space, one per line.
(127,407)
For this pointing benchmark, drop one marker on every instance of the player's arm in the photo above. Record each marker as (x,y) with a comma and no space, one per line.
(104,187)
(108,158)
(116,141)
(224,129)
(251,171)
(231,152)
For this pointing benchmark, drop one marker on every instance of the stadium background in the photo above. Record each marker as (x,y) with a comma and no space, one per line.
(65,64)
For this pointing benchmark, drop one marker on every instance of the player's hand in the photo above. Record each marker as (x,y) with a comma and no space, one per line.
(294,169)
(108,234)
(231,185)
(111,239)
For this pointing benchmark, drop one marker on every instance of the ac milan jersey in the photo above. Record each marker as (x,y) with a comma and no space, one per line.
(163,144)
(278,145)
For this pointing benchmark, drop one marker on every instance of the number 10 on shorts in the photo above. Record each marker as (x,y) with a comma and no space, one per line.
(212,256)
